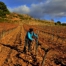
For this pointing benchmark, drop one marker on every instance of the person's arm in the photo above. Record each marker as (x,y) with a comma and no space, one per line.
(29,36)
(36,35)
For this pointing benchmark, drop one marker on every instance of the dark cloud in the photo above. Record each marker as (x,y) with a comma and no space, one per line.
(53,8)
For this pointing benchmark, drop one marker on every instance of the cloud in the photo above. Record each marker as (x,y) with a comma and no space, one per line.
(56,8)
(52,8)
(20,9)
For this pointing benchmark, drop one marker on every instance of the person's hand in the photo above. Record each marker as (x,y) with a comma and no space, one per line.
(33,39)
(36,39)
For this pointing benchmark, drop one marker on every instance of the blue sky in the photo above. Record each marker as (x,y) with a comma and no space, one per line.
(42,9)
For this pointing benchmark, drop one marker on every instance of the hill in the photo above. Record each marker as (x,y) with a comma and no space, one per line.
(24,18)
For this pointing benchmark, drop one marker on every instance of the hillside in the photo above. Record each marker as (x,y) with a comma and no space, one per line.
(24,18)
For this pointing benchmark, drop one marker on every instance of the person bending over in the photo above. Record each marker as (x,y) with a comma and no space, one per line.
(30,36)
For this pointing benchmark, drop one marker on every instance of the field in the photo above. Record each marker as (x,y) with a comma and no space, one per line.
(6,28)
(51,46)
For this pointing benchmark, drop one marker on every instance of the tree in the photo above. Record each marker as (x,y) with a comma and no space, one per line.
(58,22)
(3,10)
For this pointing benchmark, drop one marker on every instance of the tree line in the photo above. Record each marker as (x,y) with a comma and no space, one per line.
(59,23)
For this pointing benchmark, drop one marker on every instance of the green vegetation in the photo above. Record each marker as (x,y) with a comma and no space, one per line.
(60,24)
(63,24)
(3,10)
(3,20)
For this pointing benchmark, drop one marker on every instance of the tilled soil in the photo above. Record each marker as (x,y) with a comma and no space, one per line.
(11,51)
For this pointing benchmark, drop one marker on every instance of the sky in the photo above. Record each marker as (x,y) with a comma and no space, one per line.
(41,9)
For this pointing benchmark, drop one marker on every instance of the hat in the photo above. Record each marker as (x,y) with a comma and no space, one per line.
(31,29)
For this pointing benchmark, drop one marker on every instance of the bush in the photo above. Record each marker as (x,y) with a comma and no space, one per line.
(3,20)
(63,24)
(58,23)
(3,10)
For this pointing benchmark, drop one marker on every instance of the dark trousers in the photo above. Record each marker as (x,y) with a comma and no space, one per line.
(27,44)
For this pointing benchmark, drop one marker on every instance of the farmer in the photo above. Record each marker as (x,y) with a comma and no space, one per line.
(30,36)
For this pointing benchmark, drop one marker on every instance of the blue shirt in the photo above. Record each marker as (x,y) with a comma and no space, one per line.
(30,35)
